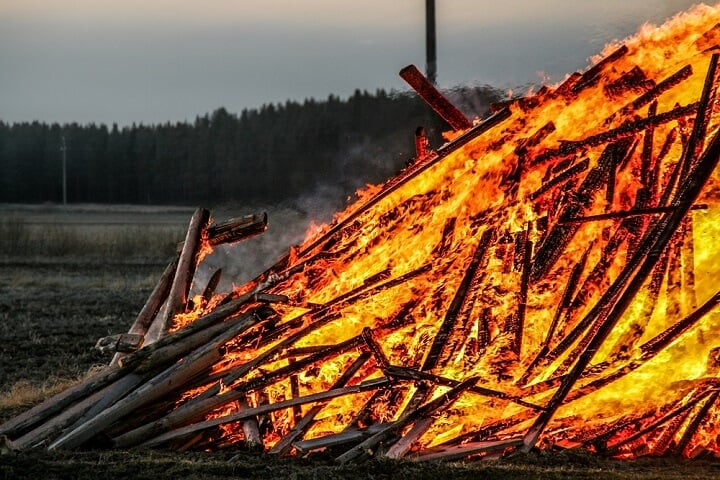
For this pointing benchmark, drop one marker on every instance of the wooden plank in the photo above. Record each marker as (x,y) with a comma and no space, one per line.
(434,98)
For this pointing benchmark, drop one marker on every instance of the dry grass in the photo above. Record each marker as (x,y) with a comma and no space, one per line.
(19,238)
(24,394)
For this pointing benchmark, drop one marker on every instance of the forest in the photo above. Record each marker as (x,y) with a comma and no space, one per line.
(266,155)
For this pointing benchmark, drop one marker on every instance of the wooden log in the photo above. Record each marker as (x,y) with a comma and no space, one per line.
(250,427)
(178,296)
(440,343)
(236,229)
(375,348)
(562,308)
(367,385)
(400,448)
(692,428)
(201,405)
(626,130)
(561,178)
(614,448)
(434,98)
(552,247)
(212,284)
(457,452)
(652,94)
(88,407)
(698,134)
(151,356)
(121,342)
(620,294)
(623,214)
(645,352)
(519,327)
(349,435)
(655,178)
(394,371)
(366,448)
(303,424)
(169,379)
(592,75)
(24,422)
(646,157)
(421,143)
(152,306)
(688,264)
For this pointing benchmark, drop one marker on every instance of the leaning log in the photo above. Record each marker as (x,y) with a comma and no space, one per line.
(434,98)
(178,296)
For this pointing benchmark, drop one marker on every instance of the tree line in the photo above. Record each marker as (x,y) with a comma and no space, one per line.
(266,155)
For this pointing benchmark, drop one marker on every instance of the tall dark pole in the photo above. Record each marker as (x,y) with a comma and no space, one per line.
(63,149)
(430,47)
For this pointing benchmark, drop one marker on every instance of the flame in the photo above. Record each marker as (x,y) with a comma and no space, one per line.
(477,221)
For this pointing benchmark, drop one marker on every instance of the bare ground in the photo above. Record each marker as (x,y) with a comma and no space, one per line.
(52,313)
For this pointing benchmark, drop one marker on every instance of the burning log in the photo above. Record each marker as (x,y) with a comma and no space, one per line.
(592,76)
(627,130)
(622,214)
(367,447)
(440,342)
(457,452)
(434,98)
(236,229)
(561,178)
(303,424)
(177,298)
(421,143)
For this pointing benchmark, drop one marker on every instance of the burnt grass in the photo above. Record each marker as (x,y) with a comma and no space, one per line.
(51,315)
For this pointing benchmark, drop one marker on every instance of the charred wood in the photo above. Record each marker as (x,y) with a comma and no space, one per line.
(304,423)
(439,345)
(626,130)
(367,448)
(561,178)
(434,98)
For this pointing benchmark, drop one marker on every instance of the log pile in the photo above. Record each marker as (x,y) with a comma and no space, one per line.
(542,280)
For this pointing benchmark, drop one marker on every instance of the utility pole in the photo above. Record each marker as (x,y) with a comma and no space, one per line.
(63,149)
(430,46)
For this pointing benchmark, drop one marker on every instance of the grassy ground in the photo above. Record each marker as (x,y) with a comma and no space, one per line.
(54,307)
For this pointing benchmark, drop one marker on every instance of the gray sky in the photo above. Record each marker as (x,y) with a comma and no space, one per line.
(153,61)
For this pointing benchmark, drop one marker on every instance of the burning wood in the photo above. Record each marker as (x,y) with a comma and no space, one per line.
(524,285)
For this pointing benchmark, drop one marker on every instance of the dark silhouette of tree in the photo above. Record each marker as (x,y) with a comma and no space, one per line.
(271,154)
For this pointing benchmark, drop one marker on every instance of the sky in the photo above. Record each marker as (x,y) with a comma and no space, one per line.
(157,61)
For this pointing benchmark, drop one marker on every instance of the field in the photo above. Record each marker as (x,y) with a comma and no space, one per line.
(56,302)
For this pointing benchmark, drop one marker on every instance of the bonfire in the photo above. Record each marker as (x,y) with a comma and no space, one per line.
(545,279)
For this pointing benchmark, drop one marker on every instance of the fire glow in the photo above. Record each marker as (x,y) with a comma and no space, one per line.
(545,279)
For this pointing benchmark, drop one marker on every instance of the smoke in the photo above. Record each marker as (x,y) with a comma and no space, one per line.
(288,224)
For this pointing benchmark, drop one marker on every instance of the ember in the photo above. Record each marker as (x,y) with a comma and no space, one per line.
(544,279)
